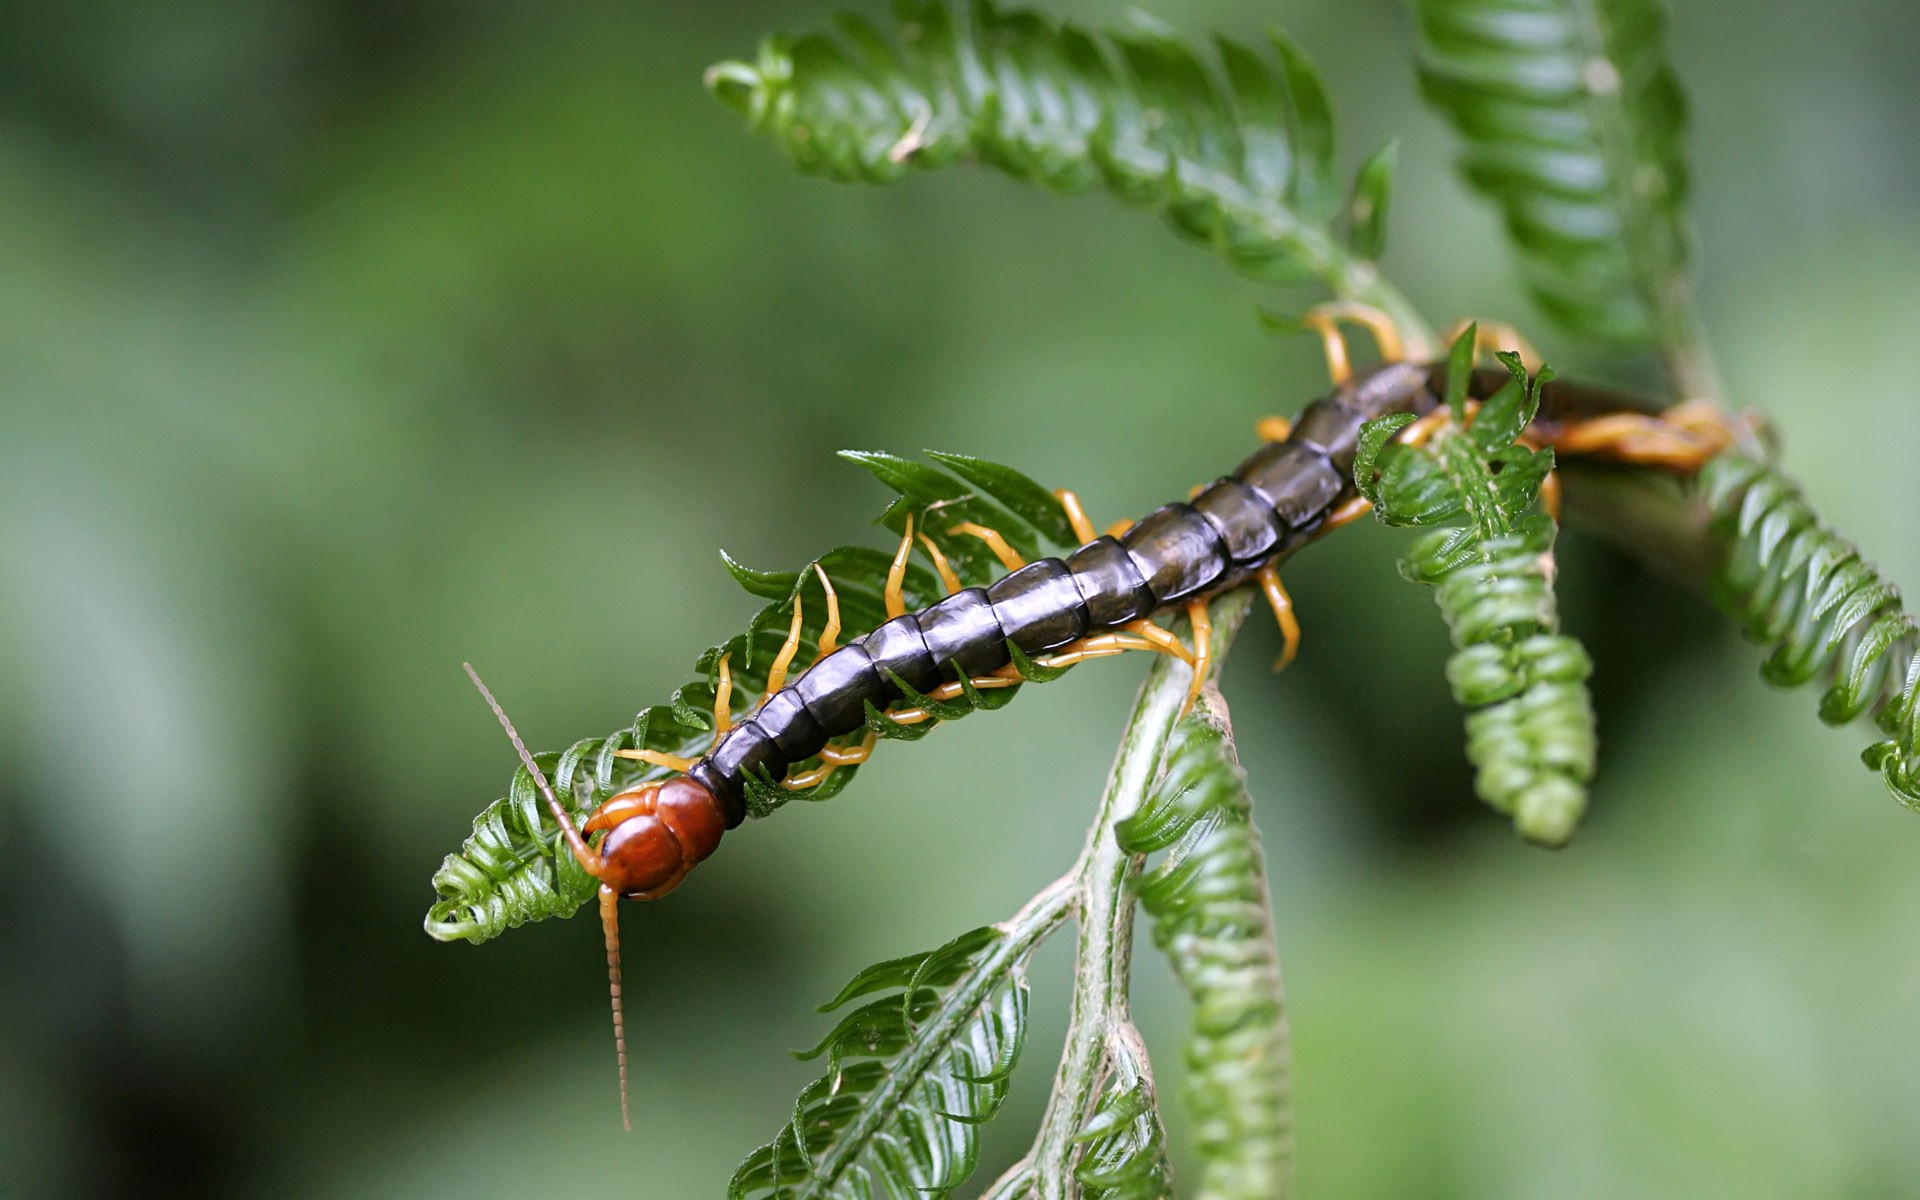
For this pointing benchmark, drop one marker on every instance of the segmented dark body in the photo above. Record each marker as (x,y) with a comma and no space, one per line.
(1276,501)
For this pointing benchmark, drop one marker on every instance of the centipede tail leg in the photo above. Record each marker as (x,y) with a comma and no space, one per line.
(1282,605)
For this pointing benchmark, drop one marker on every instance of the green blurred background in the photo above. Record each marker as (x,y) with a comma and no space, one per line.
(340,342)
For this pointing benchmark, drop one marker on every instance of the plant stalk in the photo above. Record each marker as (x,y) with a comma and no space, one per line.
(1103,957)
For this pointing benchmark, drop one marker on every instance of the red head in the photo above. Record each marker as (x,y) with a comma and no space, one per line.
(655,835)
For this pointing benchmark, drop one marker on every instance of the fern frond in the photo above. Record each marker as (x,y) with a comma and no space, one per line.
(1574,125)
(1828,613)
(515,868)
(1237,154)
(912,1074)
(1211,914)
(1125,1156)
(1530,729)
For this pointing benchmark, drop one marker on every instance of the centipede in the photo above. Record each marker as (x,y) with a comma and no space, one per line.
(922,665)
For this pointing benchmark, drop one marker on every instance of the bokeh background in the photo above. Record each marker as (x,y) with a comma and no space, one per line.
(340,342)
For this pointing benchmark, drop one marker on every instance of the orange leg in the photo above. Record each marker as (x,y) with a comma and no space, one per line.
(777,673)
(1282,605)
(1324,320)
(723,701)
(832,758)
(940,564)
(1119,529)
(1162,641)
(1273,429)
(830,633)
(1076,516)
(897,573)
(658,758)
(1683,440)
(1347,514)
(1008,556)
(1202,661)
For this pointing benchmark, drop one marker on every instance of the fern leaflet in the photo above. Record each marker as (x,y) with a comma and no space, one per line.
(1238,155)
(1799,586)
(1574,125)
(1212,919)
(912,1074)
(1530,730)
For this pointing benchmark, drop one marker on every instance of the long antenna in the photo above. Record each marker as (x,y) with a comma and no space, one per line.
(609,899)
(581,851)
(610,927)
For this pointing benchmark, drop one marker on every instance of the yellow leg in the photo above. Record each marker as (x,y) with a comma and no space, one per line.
(723,701)
(897,573)
(940,564)
(1202,661)
(1076,516)
(832,758)
(830,633)
(1273,429)
(1161,640)
(658,758)
(1347,514)
(777,673)
(1324,320)
(1119,529)
(1282,605)
(1008,556)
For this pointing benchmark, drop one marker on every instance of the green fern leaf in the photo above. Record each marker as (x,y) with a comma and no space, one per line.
(1530,728)
(1574,125)
(912,1074)
(1210,909)
(1240,157)
(515,867)
(1125,1155)
(1801,587)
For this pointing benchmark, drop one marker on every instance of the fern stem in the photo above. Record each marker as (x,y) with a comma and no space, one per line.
(1103,958)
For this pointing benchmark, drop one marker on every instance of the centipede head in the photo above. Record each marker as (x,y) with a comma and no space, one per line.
(656,833)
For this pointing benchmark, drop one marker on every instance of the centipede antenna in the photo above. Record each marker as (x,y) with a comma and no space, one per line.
(581,851)
(610,927)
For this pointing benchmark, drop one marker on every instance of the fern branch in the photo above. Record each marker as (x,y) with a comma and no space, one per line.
(1574,124)
(1240,158)
(1103,959)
